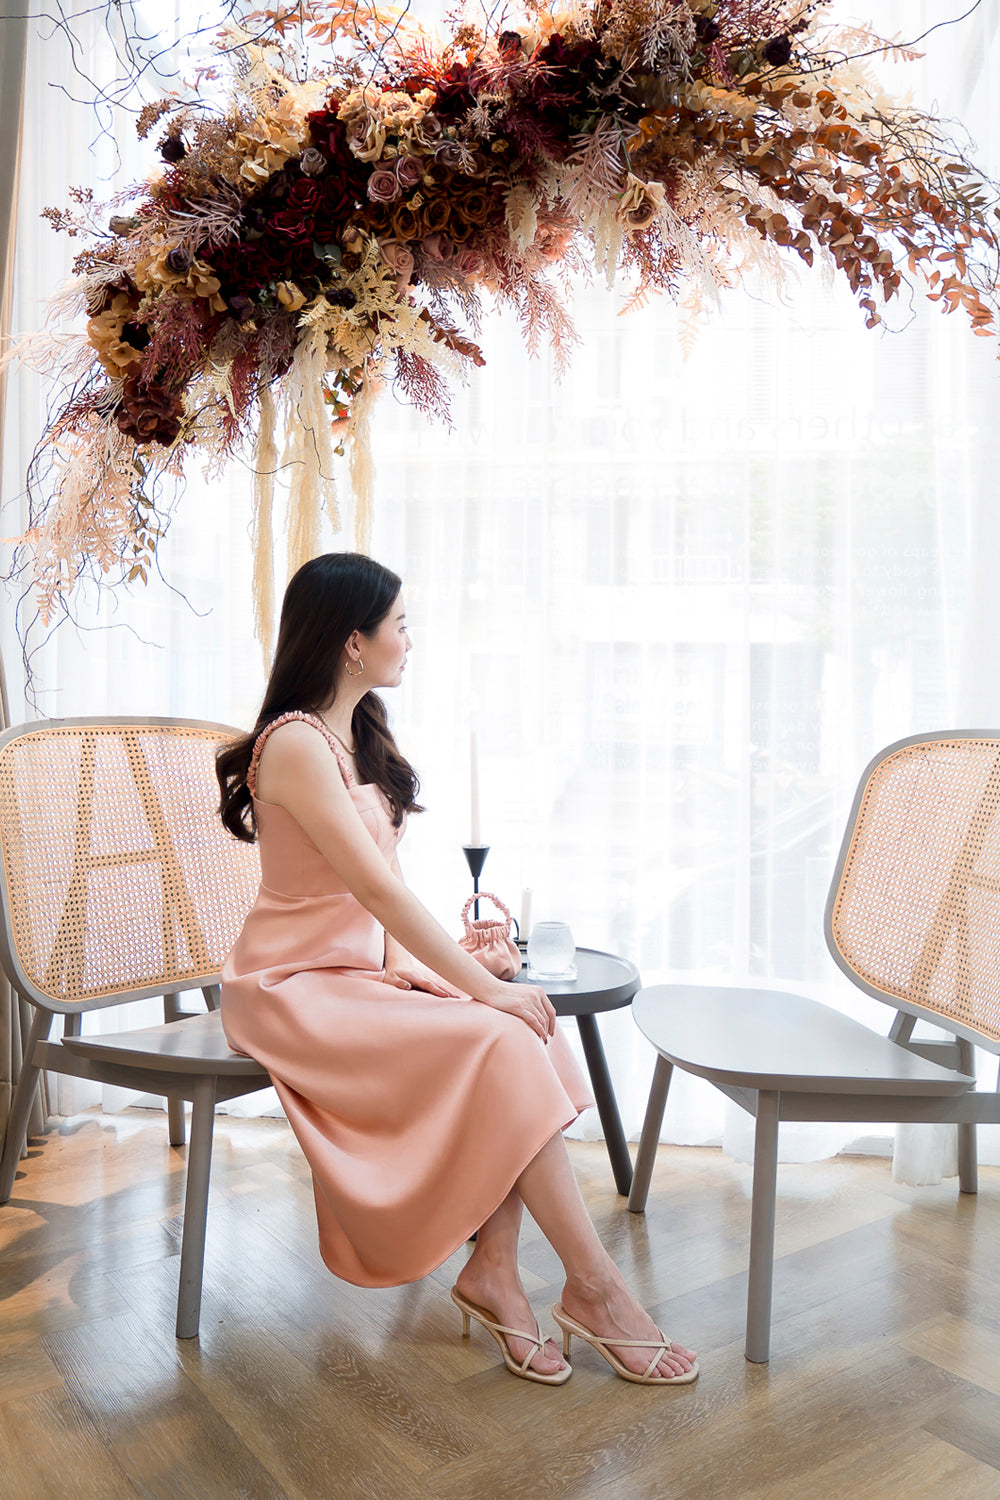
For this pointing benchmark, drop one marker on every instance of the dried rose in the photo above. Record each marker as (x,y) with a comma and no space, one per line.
(289,295)
(397,257)
(366,139)
(437,214)
(305,195)
(291,225)
(640,203)
(455,155)
(383,186)
(409,171)
(406,225)
(312,162)
(118,224)
(467,263)
(352,240)
(178,260)
(438,247)
(475,207)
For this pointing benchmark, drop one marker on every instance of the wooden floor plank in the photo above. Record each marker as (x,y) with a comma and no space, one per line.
(153,1420)
(49,1448)
(25,1366)
(886,1346)
(972,1425)
(957,1345)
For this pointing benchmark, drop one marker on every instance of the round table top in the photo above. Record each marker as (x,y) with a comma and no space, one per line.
(603,982)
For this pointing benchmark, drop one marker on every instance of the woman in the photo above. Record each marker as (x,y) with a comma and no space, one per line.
(428,1096)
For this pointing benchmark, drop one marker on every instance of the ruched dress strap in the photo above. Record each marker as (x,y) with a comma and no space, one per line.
(316,723)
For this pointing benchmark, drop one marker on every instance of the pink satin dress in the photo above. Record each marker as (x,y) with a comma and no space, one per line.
(416,1114)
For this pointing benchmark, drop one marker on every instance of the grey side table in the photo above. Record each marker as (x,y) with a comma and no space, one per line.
(603,982)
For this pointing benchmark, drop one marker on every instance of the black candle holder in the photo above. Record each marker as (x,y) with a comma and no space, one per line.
(475,858)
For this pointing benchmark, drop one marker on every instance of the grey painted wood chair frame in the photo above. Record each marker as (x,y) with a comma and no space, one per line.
(187,1058)
(781,1056)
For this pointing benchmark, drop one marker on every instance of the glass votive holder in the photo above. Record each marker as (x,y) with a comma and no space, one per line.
(551,952)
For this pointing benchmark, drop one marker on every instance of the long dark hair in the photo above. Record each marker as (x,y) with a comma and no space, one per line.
(326,601)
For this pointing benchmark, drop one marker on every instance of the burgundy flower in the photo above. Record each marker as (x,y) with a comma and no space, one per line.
(242,307)
(778,51)
(172,147)
(336,202)
(291,225)
(454,93)
(304,195)
(342,298)
(136,334)
(706,30)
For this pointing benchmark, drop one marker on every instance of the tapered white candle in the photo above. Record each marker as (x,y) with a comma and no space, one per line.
(525,924)
(474,838)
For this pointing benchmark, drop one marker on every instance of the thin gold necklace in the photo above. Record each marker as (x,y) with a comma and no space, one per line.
(336,736)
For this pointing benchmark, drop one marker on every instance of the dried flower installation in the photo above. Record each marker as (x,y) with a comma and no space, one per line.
(319,237)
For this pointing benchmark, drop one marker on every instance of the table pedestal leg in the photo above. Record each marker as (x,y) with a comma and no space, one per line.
(607,1105)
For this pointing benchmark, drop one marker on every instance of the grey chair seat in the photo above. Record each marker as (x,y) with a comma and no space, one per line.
(195,1045)
(770,1039)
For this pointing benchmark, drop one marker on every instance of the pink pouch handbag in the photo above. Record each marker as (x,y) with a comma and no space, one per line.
(491,942)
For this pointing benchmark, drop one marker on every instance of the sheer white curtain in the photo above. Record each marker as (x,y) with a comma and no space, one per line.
(681,602)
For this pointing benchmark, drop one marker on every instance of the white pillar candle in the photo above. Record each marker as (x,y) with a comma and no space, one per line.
(525,923)
(474,839)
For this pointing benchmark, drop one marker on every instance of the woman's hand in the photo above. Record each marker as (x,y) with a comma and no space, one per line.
(526,1001)
(406,974)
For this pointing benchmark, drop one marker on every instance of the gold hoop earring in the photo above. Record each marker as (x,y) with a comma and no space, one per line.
(347,668)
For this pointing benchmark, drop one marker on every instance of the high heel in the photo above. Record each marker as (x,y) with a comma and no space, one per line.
(604,1347)
(470,1310)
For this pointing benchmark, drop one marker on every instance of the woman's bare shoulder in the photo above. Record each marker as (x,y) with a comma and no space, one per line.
(296,744)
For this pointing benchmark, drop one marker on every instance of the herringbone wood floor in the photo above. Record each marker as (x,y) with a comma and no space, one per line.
(884,1380)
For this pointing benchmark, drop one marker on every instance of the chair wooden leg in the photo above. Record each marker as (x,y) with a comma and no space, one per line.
(196,1210)
(644,1162)
(176,1121)
(765,1181)
(20,1108)
(968,1172)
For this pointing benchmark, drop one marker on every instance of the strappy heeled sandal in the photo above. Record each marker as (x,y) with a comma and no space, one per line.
(497,1330)
(606,1348)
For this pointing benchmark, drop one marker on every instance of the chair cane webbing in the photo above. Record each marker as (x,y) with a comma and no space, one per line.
(916,913)
(121,878)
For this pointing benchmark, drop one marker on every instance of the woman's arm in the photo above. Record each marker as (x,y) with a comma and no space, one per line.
(298,771)
(401,968)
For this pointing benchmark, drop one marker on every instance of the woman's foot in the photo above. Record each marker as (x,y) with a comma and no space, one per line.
(606,1307)
(503,1295)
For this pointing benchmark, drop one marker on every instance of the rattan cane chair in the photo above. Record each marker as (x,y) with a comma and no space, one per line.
(118,881)
(913,919)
